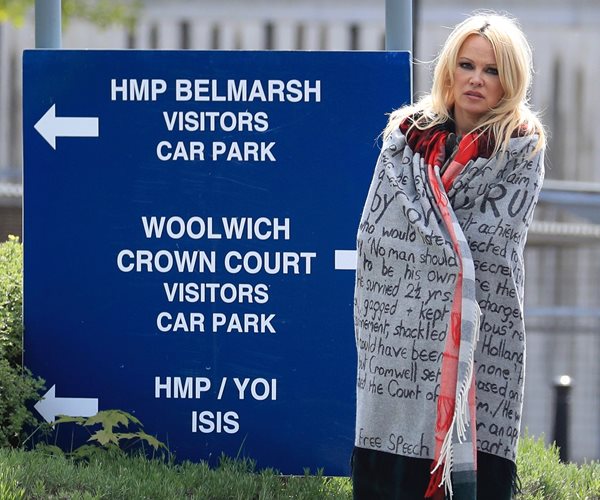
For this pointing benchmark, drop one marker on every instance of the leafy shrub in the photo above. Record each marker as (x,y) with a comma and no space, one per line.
(545,477)
(114,431)
(11,301)
(17,384)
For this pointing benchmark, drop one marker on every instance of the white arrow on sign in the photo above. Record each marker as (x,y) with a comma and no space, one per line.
(51,406)
(51,126)
(345,260)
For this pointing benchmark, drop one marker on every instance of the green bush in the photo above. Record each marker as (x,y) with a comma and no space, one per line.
(544,476)
(11,300)
(17,384)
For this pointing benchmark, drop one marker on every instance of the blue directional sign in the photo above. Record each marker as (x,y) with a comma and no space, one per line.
(189,221)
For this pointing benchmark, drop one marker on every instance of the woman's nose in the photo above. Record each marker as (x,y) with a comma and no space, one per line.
(476,79)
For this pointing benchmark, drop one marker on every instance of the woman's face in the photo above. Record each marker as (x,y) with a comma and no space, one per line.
(477,87)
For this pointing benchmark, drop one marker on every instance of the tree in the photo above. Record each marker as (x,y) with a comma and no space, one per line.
(100,12)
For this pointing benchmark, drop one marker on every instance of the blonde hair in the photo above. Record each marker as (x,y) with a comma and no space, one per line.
(514,63)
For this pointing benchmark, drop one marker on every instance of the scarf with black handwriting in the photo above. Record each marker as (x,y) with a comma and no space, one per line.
(438,305)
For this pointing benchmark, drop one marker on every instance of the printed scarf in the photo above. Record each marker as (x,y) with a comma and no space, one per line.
(417,317)
(455,448)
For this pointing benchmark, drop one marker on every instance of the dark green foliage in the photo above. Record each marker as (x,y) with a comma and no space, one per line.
(17,385)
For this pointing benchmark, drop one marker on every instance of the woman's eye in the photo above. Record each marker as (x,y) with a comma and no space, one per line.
(466,65)
(492,71)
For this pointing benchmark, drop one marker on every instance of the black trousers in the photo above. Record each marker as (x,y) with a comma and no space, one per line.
(378,475)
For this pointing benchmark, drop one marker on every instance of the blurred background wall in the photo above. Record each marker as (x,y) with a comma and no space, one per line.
(563,255)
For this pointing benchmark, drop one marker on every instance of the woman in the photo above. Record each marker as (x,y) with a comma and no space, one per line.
(439,287)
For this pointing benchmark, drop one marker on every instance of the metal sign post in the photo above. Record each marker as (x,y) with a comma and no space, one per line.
(48,24)
(398,25)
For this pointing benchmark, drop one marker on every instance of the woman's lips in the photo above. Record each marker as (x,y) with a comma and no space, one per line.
(474,95)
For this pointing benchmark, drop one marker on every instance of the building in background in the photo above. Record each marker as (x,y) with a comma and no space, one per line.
(563,254)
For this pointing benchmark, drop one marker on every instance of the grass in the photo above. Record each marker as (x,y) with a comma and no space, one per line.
(115,476)
(37,475)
